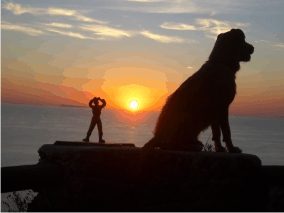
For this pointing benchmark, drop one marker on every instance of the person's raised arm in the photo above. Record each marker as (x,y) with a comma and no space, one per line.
(91,102)
(104,102)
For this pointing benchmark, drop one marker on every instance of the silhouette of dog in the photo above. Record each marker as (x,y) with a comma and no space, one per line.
(203,99)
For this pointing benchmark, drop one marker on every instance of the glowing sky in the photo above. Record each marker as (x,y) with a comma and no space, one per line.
(65,52)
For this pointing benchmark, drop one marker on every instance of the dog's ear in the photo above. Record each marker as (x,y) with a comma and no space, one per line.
(238,33)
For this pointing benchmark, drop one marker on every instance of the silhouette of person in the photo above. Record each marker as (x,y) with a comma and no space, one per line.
(96,120)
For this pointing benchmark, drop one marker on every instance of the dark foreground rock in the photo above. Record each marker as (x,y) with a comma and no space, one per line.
(125,178)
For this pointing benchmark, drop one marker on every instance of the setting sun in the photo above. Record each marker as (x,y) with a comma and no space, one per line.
(134,105)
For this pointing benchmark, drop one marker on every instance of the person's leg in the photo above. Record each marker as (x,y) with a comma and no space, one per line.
(91,128)
(100,130)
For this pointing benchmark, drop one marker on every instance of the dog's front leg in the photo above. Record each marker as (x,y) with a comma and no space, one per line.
(225,127)
(216,137)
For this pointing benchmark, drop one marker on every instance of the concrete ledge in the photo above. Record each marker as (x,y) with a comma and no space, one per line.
(125,178)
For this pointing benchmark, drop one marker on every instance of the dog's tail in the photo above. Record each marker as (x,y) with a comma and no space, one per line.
(151,144)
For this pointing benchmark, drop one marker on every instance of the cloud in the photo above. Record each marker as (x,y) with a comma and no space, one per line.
(177,26)
(215,27)
(162,38)
(20,28)
(18,9)
(281,45)
(161,6)
(59,25)
(68,33)
(106,31)
(207,7)
(211,27)
(271,43)
(71,13)
(261,41)
(145,1)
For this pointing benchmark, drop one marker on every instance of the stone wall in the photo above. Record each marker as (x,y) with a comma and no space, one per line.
(125,178)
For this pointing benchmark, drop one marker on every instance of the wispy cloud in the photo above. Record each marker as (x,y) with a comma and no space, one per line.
(145,1)
(162,38)
(215,27)
(106,31)
(71,13)
(211,27)
(177,26)
(20,28)
(273,44)
(281,45)
(59,25)
(270,43)
(208,7)
(261,41)
(18,9)
(161,6)
(69,33)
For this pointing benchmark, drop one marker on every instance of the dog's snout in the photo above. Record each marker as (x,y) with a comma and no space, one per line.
(251,49)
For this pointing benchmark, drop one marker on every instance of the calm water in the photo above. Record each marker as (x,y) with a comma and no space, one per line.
(26,128)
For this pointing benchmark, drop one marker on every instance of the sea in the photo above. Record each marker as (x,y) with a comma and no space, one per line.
(25,128)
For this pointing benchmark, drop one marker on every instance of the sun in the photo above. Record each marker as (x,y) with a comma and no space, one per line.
(134,105)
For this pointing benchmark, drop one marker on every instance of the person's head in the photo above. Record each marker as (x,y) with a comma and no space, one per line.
(96,100)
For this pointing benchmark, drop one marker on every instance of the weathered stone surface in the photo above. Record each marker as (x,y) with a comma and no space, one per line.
(102,178)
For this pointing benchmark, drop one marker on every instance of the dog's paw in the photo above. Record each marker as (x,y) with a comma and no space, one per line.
(220,149)
(234,149)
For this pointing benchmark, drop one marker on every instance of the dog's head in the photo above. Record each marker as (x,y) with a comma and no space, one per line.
(232,47)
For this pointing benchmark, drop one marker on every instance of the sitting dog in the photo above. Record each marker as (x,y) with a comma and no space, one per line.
(203,99)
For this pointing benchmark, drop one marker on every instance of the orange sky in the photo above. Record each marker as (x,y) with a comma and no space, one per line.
(139,52)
